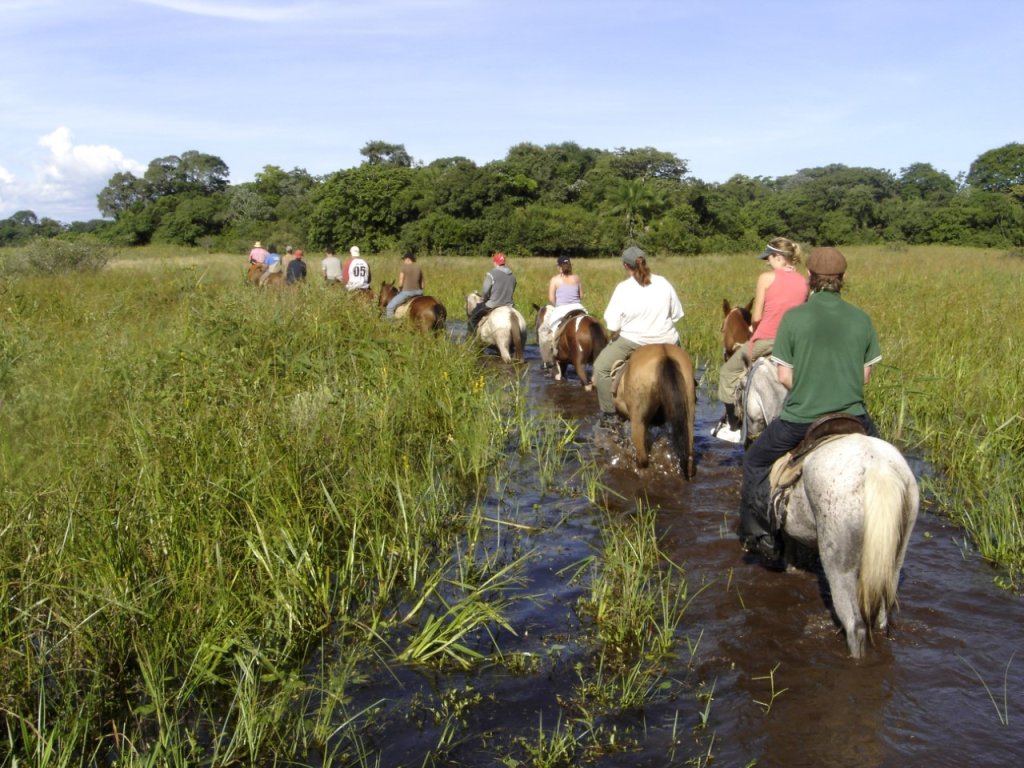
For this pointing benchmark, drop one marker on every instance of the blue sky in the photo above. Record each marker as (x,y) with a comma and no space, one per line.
(765,88)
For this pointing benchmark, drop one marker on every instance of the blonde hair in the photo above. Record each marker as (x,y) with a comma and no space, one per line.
(787,249)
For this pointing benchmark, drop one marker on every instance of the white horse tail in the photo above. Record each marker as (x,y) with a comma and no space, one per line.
(885,523)
(517,334)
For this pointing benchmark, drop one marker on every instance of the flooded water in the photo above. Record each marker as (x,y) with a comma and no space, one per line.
(919,697)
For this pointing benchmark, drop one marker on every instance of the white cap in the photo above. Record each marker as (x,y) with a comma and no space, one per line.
(354,250)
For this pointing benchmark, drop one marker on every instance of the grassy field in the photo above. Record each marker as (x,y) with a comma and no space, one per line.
(949,387)
(203,481)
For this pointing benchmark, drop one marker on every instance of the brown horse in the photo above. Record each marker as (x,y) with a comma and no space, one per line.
(252,277)
(579,340)
(657,387)
(735,327)
(425,312)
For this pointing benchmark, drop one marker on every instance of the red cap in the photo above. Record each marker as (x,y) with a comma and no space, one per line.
(499,259)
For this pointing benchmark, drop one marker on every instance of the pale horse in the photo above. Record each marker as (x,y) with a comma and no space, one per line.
(503,328)
(855,504)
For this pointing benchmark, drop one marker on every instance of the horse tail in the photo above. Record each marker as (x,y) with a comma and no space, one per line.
(885,513)
(598,341)
(516,330)
(440,316)
(671,383)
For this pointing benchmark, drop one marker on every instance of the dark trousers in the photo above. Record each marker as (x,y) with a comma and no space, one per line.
(778,438)
(478,313)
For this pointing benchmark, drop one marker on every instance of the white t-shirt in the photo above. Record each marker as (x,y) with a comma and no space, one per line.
(358,274)
(331,267)
(644,314)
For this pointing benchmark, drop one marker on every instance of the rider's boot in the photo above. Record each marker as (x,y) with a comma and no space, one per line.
(728,428)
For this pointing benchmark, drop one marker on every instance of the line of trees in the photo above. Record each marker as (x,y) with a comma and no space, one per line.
(549,200)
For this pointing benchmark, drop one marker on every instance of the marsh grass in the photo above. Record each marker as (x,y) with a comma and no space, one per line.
(200,481)
(203,482)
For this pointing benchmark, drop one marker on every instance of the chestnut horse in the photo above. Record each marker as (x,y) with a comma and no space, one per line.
(735,327)
(579,340)
(657,387)
(252,277)
(425,312)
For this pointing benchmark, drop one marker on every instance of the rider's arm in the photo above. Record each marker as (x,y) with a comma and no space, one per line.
(757,310)
(785,374)
(867,373)
(551,291)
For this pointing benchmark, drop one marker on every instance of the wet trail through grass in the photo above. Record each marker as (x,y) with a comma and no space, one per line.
(914,700)
(761,642)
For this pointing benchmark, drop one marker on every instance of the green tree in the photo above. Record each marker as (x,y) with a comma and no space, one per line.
(922,182)
(635,200)
(383,153)
(999,170)
(361,205)
(124,191)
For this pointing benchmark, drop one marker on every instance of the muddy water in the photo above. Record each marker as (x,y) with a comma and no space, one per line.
(915,700)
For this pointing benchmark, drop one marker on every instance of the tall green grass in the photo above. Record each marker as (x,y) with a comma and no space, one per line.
(207,486)
(200,481)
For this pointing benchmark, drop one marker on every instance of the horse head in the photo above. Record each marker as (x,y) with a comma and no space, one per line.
(735,327)
(472,299)
(541,311)
(387,293)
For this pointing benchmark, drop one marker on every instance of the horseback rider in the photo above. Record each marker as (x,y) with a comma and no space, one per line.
(355,272)
(643,309)
(776,291)
(565,296)
(272,264)
(296,271)
(410,284)
(824,351)
(258,254)
(498,290)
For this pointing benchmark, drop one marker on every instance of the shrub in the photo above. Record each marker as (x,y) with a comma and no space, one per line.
(57,256)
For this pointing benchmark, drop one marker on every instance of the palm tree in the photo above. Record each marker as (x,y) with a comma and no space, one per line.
(635,200)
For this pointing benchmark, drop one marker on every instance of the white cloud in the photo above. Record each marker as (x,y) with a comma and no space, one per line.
(63,183)
(238,11)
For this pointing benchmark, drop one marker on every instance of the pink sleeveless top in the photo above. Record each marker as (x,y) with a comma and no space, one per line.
(788,289)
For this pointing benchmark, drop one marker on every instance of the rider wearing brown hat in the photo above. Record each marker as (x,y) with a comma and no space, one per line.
(824,351)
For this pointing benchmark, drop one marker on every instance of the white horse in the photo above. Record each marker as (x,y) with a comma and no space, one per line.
(855,504)
(503,328)
(762,398)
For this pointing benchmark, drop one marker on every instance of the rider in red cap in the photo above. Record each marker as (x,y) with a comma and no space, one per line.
(499,286)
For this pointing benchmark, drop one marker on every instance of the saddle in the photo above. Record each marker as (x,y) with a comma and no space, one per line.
(788,469)
(618,367)
(563,323)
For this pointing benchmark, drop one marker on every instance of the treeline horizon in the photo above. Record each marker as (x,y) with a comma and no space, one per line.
(558,199)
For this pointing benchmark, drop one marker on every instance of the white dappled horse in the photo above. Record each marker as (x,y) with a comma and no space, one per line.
(855,504)
(503,328)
